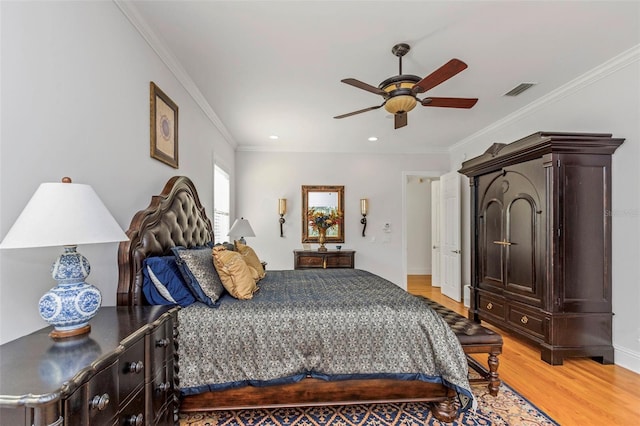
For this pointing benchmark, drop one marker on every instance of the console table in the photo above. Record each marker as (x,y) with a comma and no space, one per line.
(122,372)
(308,259)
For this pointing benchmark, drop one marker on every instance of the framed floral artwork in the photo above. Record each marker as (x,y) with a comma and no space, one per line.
(322,214)
(164,127)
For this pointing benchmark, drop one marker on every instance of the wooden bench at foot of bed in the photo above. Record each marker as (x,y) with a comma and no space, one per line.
(475,339)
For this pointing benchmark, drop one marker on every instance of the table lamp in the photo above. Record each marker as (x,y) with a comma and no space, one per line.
(66,214)
(241,228)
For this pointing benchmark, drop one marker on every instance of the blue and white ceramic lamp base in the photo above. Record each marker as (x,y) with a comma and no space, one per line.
(72,303)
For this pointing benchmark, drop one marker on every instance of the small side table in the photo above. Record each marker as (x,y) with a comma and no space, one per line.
(310,259)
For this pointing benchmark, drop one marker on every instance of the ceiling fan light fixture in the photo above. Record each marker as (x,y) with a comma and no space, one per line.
(400,104)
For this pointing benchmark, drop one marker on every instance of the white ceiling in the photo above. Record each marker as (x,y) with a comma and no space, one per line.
(274,67)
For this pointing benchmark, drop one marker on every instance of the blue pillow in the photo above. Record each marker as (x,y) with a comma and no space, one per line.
(196,266)
(163,283)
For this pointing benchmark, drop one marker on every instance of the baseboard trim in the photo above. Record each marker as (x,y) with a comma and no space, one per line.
(627,358)
(418,271)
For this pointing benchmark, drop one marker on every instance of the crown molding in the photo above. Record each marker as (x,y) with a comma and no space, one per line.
(165,55)
(261,148)
(611,66)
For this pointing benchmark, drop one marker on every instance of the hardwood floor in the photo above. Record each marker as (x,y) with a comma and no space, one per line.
(579,392)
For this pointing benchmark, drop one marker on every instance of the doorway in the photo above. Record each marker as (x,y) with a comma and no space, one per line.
(417,226)
(421,225)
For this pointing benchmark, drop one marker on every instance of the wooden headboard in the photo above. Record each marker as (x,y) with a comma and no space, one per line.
(174,218)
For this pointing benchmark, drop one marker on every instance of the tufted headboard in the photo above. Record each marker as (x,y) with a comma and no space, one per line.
(174,218)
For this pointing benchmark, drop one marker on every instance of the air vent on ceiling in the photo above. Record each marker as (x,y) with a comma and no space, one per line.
(519,89)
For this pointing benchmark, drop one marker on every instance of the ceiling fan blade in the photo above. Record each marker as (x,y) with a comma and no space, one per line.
(358,112)
(440,75)
(364,86)
(400,120)
(449,102)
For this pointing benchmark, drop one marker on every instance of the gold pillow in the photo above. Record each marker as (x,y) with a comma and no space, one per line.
(235,274)
(251,258)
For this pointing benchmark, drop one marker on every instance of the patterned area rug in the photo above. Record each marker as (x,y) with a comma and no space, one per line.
(508,408)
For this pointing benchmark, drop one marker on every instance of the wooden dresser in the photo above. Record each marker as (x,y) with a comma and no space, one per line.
(122,373)
(307,259)
(541,241)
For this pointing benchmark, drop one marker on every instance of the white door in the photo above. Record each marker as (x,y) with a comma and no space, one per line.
(451,260)
(435,233)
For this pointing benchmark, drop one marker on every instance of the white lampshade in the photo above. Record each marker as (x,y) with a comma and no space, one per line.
(241,228)
(61,214)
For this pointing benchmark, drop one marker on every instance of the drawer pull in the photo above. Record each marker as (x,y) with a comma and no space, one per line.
(100,402)
(163,387)
(134,367)
(134,420)
(502,243)
(489,306)
(162,343)
(524,319)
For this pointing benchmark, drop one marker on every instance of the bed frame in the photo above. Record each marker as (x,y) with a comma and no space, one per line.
(176,218)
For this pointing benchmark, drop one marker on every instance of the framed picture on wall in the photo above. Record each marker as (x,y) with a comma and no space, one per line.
(164,127)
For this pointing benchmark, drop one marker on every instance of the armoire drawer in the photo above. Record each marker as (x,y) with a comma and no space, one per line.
(530,321)
(493,306)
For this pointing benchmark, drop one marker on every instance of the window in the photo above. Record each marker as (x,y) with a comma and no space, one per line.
(221,204)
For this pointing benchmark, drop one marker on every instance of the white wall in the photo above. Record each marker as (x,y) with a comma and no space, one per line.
(418,216)
(75,102)
(606,100)
(263,177)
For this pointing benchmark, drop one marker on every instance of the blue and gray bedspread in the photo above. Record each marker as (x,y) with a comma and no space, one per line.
(332,324)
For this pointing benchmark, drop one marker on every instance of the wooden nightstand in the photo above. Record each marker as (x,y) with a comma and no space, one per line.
(121,373)
(308,259)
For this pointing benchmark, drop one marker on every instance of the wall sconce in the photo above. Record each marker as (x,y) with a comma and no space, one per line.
(282,210)
(364,206)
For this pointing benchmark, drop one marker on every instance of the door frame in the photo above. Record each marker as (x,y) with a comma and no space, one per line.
(405,176)
(436,274)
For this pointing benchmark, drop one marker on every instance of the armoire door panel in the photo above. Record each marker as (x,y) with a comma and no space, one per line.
(524,221)
(582,214)
(521,249)
(492,253)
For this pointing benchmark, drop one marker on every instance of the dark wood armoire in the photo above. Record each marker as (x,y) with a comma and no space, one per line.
(541,241)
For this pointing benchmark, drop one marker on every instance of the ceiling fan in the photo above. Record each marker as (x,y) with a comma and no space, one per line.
(399,92)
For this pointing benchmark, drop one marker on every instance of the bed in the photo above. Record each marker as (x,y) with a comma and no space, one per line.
(307,368)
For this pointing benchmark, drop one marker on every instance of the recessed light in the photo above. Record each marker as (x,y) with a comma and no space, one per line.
(372,139)
(273,137)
